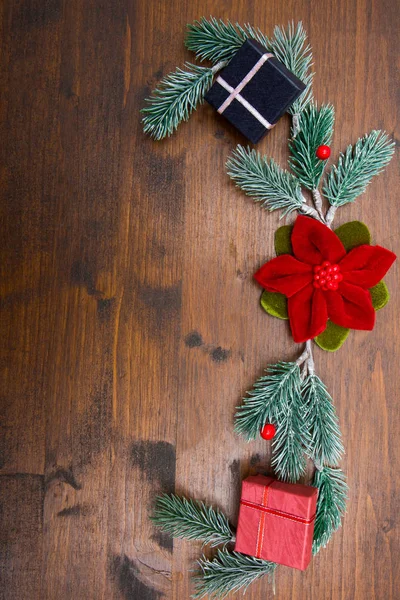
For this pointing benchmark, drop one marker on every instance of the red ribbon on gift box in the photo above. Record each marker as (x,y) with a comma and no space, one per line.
(263,509)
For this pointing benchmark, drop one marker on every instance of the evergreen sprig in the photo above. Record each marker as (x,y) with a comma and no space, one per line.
(315,127)
(331,505)
(275,398)
(192,520)
(357,166)
(288,459)
(176,97)
(229,572)
(264,402)
(217,40)
(290,47)
(263,179)
(324,444)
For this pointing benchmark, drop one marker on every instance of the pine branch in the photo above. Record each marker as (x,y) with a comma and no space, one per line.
(324,445)
(229,572)
(315,127)
(265,400)
(290,47)
(331,505)
(291,436)
(192,520)
(276,399)
(176,97)
(357,166)
(274,187)
(217,40)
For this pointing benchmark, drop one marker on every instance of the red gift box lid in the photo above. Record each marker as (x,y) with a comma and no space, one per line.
(292,498)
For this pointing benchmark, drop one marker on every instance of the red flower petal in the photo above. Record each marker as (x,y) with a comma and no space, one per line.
(313,242)
(308,314)
(351,307)
(284,274)
(366,265)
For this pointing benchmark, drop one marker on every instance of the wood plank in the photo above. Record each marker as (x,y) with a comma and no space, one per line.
(21,535)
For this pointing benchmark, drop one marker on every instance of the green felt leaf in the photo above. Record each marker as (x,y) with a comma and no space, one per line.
(274,304)
(352,234)
(380,295)
(332,338)
(283,244)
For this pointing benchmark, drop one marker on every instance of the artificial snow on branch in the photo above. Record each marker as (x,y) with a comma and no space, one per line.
(217,40)
(266,181)
(176,97)
(264,402)
(324,445)
(192,520)
(331,505)
(229,572)
(315,128)
(288,460)
(356,167)
(290,47)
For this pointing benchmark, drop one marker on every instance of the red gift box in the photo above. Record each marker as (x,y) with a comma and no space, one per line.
(276,521)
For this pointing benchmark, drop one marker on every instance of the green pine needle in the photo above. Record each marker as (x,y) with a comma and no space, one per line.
(291,436)
(191,520)
(215,39)
(315,128)
(325,445)
(331,505)
(290,47)
(229,572)
(263,179)
(176,97)
(357,166)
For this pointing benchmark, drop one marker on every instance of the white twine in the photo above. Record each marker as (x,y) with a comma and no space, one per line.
(219,66)
(234,92)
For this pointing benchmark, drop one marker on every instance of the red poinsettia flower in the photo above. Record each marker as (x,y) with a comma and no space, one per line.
(322,281)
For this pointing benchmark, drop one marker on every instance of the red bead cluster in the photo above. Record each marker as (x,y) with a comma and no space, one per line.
(327,276)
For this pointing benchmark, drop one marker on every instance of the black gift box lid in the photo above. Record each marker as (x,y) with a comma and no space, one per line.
(263,99)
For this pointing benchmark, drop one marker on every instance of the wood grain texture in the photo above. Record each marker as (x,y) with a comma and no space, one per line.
(131,326)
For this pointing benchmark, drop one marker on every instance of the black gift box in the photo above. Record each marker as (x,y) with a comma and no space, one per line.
(254,90)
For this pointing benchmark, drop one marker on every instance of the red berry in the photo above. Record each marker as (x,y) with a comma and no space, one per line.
(317,268)
(323,152)
(322,281)
(268,431)
(326,263)
(335,268)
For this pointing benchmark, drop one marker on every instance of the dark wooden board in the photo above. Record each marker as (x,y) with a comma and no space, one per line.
(130,323)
